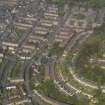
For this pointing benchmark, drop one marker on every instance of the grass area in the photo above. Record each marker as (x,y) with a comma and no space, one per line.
(56,50)
(69,79)
(1,63)
(3,66)
(59,2)
(79,16)
(26,103)
(92,49)
(49,89)
(16,70)
(19,33)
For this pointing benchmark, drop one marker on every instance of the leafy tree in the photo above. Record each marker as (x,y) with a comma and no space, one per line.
(96,5)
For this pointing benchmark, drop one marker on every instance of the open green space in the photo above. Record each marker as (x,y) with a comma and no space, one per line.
(49,89)
(79,16)
(56,50)
(19,33)
(15,72)
(88,62)
(65,71)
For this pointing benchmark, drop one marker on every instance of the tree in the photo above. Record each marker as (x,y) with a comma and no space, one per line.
(97,5)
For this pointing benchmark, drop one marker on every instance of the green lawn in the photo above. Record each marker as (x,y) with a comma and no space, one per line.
(92,49)
(49,89)
(19,33)
(16,70)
